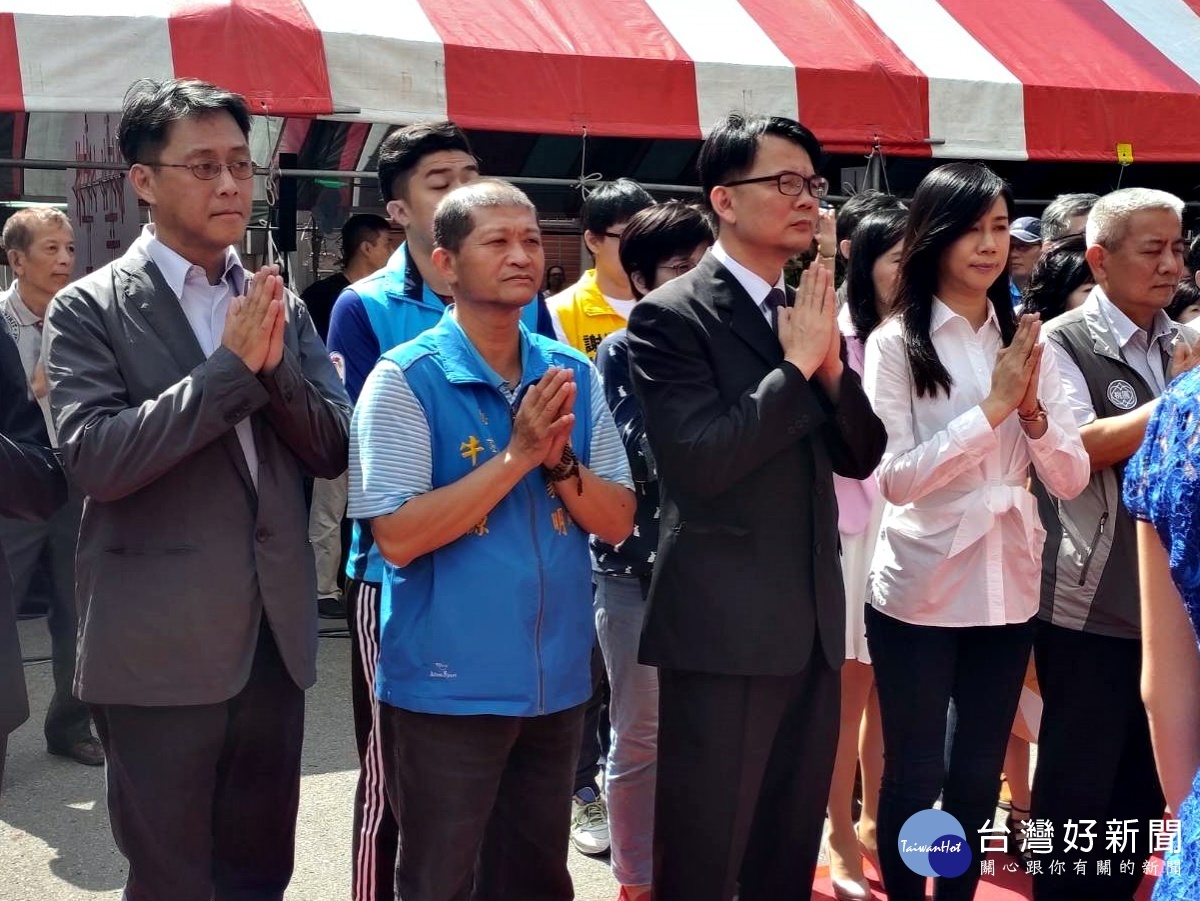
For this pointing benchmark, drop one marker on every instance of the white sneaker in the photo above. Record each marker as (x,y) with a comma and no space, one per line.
(589,823)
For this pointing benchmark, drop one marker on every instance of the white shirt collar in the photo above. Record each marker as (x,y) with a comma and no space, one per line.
(175,269)
(1124,328)
(756,287)
(941,314)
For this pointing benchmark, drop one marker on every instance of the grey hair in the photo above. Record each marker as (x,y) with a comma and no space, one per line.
(19,229)
(453,220)
(1108,222)
(1056,218)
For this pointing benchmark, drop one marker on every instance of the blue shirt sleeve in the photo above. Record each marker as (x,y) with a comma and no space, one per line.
(353,340)
(391,455)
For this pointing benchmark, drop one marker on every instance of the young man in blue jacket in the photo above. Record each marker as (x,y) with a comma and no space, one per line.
(418,166)
(483,457)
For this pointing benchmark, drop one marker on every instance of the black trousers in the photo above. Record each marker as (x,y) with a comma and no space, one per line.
(919,671)
(67,718)
(1095,761)
(483,804)
(744,764)
(373,845)
(203,799)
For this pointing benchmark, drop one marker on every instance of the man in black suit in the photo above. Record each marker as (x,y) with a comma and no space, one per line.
(749,410)
(32,487)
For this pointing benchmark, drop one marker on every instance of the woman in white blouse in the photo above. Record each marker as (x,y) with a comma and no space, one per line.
(969,403)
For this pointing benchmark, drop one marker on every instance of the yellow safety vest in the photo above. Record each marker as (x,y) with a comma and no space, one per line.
(585,316)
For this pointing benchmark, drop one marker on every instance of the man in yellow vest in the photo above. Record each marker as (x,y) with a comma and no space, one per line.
(599,303)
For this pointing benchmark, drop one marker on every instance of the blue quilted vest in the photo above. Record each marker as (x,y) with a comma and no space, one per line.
(500,620)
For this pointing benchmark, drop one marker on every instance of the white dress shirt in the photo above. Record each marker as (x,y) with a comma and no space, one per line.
(1140,350)
(961,541)
(757,288)
(205,307)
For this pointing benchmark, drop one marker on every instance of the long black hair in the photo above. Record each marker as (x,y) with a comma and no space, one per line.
(1062,269)
(949,200)
(875,234)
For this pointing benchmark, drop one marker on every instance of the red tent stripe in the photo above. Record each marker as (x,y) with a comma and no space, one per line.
(853,82)
(268,50)
(12,97)
(1090,80)
(546,66)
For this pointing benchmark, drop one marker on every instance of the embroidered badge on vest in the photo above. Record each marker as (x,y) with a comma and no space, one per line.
(1122,395)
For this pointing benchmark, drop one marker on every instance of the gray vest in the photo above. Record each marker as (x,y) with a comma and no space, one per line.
(1089,564)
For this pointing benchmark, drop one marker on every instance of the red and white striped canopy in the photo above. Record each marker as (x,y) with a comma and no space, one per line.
(1016,79)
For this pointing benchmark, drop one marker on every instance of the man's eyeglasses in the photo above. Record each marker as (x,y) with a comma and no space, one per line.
(210,169)
(616,235)
(791,184)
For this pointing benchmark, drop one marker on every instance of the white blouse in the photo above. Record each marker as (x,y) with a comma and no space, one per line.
(961,540)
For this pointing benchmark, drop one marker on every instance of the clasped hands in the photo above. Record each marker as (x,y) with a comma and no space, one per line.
(808,330)
(1016,375)
(255,321)
(545,417)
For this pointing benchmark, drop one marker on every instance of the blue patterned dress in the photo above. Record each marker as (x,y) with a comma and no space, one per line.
(1162,487)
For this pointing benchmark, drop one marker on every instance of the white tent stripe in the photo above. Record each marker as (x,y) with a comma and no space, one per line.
(385,63)
(107,52)
(1170,25)
(976,105)
(737,64)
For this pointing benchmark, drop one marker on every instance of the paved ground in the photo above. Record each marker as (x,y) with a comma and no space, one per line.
(55,843)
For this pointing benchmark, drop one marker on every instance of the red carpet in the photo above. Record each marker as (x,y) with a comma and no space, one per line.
(1004,886)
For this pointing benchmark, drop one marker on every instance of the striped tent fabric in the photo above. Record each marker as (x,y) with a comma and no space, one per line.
(1021,79)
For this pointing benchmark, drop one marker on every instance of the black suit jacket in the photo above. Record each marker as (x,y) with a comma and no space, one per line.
(32,487)
(748,573)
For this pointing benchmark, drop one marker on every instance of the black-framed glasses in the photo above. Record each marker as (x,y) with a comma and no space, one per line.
(616,235)
(790,184)
(210,169)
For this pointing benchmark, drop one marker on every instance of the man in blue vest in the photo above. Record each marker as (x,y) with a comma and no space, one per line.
(483,457)
(418,166)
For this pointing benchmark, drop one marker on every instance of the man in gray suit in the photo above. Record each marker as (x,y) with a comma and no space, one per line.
(191,400)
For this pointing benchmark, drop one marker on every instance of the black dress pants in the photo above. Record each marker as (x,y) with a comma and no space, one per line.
(483,803)
(744,764)
(1095,761)
(67,718)
(203,799)
(919,671)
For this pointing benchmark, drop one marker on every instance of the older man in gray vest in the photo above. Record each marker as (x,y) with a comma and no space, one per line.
(1116,353)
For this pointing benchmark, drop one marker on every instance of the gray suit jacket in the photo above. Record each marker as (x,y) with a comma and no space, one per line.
(179,555)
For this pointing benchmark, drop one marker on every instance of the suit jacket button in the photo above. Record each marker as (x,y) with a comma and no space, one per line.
(818,549)
(261,535)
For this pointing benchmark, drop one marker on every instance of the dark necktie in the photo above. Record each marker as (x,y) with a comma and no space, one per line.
(774,300)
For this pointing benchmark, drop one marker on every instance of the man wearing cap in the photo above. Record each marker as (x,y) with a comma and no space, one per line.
(1024,250)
